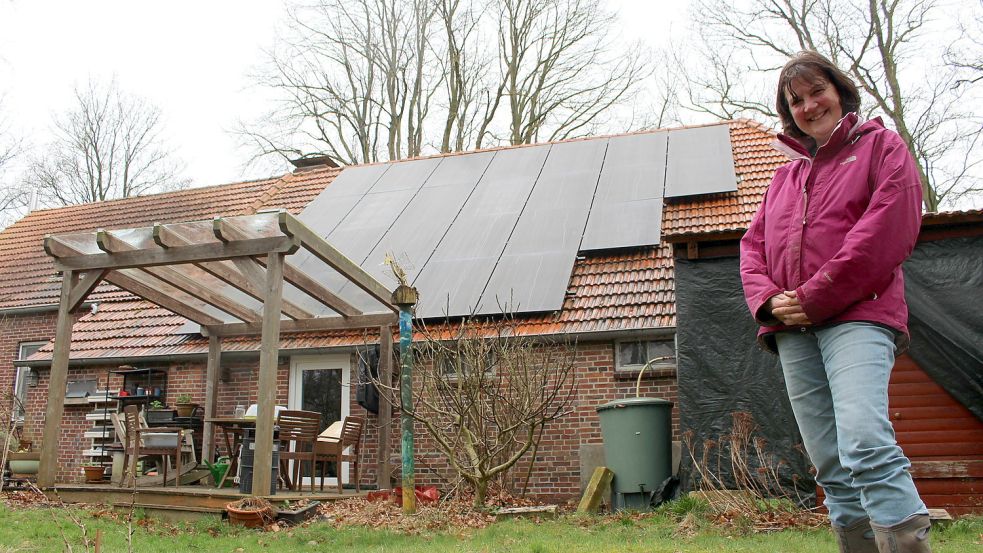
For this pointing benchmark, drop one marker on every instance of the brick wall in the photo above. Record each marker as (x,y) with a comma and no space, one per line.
(556,472)
(15,329)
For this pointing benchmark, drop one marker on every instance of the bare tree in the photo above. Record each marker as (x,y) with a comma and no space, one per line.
(966,54)
(559,73)
(746,42)
(371,80)
(485,394)
(107,146)
(14,196)
(465,65)
(354,79)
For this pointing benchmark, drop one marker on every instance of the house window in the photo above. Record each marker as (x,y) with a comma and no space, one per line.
(450,360)
(633,355)
(25,350)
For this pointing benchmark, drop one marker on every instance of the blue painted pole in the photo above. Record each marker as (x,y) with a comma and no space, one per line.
(406,297)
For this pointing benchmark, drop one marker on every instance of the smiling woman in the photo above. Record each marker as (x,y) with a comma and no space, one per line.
(821,267)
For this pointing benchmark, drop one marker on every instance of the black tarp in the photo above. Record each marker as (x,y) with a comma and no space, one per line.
(366,393)
(722,371)
(944,291)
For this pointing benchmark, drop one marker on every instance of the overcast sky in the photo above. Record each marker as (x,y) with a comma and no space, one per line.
(191,59)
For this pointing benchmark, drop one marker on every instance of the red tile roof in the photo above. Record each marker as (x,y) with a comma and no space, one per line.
(28,274)
(629,290)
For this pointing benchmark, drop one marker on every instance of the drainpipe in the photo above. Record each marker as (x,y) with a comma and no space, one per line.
(405,298)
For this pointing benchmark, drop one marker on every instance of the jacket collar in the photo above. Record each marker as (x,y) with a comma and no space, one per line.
(847,130)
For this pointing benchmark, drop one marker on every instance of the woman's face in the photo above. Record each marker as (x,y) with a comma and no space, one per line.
(815,107)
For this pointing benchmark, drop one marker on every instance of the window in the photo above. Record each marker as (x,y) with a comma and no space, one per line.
(25,350)
(632,356)
(449,361)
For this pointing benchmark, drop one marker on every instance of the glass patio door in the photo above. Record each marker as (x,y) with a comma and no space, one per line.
(321,383)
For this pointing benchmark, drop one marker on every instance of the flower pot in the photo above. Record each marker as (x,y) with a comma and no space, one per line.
(159,416)
(93,473)
(159,439)
(24,462)
(298,514)
(24,466)
(250,518)
(185,409)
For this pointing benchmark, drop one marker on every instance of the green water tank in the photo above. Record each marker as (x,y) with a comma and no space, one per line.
(637,436)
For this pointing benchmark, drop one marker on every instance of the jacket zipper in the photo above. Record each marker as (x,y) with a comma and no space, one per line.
(805,194)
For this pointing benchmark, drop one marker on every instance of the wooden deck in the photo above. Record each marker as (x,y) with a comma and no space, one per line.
(176,503)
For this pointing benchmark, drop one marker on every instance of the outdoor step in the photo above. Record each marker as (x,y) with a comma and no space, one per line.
(104,433)
(168,507)
(100,397)
(96,453)
(98,415)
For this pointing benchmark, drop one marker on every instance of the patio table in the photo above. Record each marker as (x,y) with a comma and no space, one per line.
(232,428)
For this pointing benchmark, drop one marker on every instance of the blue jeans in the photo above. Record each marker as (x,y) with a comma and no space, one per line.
(837,383)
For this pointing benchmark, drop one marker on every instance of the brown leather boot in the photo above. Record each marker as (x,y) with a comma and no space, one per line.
(856,538)
(908,536)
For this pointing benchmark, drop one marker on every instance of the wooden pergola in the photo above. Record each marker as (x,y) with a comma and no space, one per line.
(227,274)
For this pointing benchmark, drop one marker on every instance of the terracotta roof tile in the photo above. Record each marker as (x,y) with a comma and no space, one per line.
(28,275)
(608,292)
(626,290)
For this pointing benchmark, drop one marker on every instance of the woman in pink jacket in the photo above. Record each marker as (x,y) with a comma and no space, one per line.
(821,267)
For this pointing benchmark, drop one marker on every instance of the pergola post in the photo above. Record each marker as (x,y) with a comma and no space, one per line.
(213,369)
(55,408)
(268,355)
(406,297)
(385,408)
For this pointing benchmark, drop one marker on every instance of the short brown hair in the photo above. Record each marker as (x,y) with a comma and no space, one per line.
(810,66)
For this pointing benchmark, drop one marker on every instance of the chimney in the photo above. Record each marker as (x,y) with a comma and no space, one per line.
(312,162)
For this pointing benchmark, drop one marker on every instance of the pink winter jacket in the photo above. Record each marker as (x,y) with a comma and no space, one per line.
(835,228)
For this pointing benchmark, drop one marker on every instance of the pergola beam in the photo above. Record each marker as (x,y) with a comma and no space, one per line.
(214,251)
(55,407)
(291,226)
(242,273)
(151,290)
(225,230)
(85,286)
(304,325)
(268,355)
(110,243)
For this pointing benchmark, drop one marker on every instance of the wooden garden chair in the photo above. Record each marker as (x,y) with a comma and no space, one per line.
(134,448)
(333,450)
(298,430)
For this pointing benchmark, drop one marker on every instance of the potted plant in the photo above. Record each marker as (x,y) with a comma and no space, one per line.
(94,472)
(157,413)
(185,407)
(251,512)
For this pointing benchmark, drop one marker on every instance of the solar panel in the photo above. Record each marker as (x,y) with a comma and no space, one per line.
(700,162)
(627,208)
(363,226)
(454,278)
(327,210)
(414,236)
(534,270)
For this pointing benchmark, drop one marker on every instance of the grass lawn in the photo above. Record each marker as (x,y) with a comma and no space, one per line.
(42,529)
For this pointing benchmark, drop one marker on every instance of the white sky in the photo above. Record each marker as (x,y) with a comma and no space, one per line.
(190,58)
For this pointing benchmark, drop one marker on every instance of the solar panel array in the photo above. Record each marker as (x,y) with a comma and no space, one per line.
(494,231)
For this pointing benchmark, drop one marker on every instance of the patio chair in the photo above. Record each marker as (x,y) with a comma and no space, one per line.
(135,446)
(298,430)
(333,450)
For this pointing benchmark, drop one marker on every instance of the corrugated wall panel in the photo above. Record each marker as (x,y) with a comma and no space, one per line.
(929,423)
(941,437)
